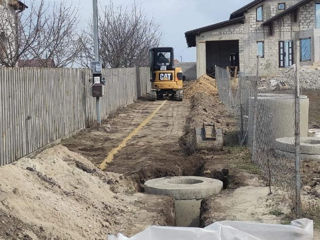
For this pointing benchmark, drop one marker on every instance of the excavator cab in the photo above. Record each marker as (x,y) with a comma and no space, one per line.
(165,78)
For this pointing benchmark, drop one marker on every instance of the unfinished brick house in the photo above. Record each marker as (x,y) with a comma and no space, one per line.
(272,29)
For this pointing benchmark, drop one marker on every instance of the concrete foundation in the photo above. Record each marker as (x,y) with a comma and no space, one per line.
(276,118)
(188,213)
(310,147)
(188,193)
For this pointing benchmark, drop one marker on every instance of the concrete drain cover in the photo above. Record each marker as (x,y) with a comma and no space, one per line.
(184,188)
(188,193)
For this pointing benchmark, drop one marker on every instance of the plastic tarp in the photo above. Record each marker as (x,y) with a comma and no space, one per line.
(227,230)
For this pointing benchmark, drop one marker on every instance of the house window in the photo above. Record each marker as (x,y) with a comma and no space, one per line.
(281,6)
(260,49)
(305,49)
(285,53)
(260,14)
(317,15)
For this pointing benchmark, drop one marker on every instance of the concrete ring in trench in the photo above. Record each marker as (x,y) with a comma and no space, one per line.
(309,147)
(185,187)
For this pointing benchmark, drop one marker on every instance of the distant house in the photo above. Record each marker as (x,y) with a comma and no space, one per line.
(47,63)
(8,25)
(268,28)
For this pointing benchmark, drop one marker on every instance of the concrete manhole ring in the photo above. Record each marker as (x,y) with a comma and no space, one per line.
(309,145)
(184,188)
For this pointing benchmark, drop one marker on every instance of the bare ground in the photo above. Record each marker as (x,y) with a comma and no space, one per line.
(61,194)
(153,152)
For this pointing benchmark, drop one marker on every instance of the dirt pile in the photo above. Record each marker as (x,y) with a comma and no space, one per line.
(204,84)
(206,106)
(62,195)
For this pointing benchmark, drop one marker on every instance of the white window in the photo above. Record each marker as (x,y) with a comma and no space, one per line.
(260,14)
(260,45)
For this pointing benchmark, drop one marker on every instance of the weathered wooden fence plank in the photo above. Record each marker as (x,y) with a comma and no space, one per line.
(40,106)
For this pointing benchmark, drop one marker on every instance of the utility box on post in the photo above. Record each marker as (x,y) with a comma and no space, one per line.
(98,81)
(97,90)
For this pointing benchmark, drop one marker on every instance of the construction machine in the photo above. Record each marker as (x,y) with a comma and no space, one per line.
(167,80)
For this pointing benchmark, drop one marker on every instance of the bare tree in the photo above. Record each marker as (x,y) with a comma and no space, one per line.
(41,32)
(58,39)
(17,36)
(125,38)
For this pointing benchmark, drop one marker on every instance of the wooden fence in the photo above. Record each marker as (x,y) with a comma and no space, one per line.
(40,106)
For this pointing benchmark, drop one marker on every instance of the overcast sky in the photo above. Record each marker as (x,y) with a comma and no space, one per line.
(175,17)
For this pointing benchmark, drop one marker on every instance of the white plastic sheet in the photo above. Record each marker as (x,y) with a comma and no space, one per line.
(298,230)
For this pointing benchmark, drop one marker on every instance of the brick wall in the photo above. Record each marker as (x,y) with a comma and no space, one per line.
(251,31)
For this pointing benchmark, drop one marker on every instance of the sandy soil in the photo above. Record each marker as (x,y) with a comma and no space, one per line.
(62,195)
(247,196)
(153,152)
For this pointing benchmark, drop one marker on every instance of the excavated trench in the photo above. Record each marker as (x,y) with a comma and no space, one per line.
(163,148)
(188,210)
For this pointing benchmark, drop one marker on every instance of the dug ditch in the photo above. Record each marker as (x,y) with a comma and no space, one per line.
(160,148)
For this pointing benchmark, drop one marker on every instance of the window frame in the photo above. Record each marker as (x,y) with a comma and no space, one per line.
(286,56)
(260,7)
(305,60)
(263,52)
(281,54)
(317,24)
(284,5)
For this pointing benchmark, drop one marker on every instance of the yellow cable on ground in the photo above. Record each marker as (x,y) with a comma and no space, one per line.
(114,151)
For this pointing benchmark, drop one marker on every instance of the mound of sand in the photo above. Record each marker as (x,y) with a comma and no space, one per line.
(61,195)
(204,84)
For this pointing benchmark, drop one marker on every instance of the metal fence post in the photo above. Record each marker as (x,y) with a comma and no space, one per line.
(297,135)
(241,110)
(255,115)
(96,49)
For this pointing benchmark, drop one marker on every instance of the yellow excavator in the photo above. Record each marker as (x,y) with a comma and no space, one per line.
(167,80)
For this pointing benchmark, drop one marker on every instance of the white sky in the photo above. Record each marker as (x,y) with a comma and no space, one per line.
(175,17)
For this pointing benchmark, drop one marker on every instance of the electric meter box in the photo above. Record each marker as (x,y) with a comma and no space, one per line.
(97,90)
(96,67)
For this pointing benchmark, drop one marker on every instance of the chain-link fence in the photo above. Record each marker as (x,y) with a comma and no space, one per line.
(266,121)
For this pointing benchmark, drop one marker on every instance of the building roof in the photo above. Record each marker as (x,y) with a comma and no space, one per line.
(238,17)
(235,17)
(191,35)
(287,11)
(240,12)
(18,5)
